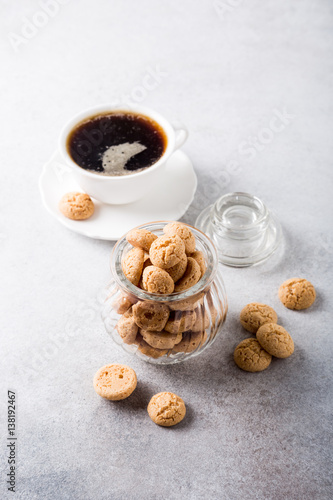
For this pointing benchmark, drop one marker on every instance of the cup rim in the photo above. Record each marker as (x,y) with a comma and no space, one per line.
(105,108)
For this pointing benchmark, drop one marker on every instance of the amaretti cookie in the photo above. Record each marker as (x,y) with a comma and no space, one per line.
(156,280)
(190,342)
(161,340)
(254,315)
(127,328)
(151,352)
(115,382)
(275,340)
(191,276)
(251,357)
(76,206)
(184,232)
(199,257)
(166,251)
(180,321)
(177,271)
(141,238)
(166,409)
(132,265)
(297,293)
(150,315)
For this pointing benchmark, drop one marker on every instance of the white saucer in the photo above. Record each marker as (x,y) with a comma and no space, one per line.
(168,200)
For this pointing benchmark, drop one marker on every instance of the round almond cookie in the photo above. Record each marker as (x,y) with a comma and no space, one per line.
(180,321)
(251,357)
(188,304)
(132,265)
(199,257)
(127,328)
(297,293)
(161,340)
(275,340)
(184,232)
(201,320)
(150,315)
(254,315)
(191,277)
(177,271)
(166,409)
(150,351)
(190,342)
(156,280)
(166,251)
(141,238)
(115,382)
(123,303)
(76,206)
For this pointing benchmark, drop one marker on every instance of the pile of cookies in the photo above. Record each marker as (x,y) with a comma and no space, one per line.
(161,266)
(255,354)
(116,382)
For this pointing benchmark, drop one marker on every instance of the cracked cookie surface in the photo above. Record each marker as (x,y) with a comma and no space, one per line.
(127,328)
(166,409)
(141,238)
(184,232)
(76,206)
(132,265)
(297,293)
(251,357)
(191,277)
(254,315)
(275,340)
(156,280)
(166,251)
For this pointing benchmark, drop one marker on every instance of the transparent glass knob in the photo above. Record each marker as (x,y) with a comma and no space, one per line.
(244,231)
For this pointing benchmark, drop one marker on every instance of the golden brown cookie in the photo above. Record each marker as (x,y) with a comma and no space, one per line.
(176,272)
(254,315)
(132,265)
(201,320)
(191,277)
(297,293)
(166,409)
(180,321)
(199,257)
(166,251)
(156,280)
(123,303)
(115,382)
(150,351)
(251,357)
(76,206)
(190,342)
(184,232)
(141,238)
(187,304)
(161,340)
(150,315)
(127,328)
(275,340)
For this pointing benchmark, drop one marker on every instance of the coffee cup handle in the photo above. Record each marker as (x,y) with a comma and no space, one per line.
(181,135)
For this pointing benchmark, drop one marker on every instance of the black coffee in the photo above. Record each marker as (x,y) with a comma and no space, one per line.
(116,143)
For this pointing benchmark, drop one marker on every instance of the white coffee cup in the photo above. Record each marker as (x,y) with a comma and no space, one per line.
(127,188)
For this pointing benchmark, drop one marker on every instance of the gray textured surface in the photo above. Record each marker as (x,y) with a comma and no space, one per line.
(261,436)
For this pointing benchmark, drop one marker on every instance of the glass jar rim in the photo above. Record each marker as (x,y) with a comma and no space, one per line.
(211,256)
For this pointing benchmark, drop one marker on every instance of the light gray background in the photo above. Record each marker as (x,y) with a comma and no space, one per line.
(227,71)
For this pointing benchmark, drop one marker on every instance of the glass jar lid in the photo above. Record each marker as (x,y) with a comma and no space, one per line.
(244,231)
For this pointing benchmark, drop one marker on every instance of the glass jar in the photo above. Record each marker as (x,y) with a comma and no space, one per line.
(179,325)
